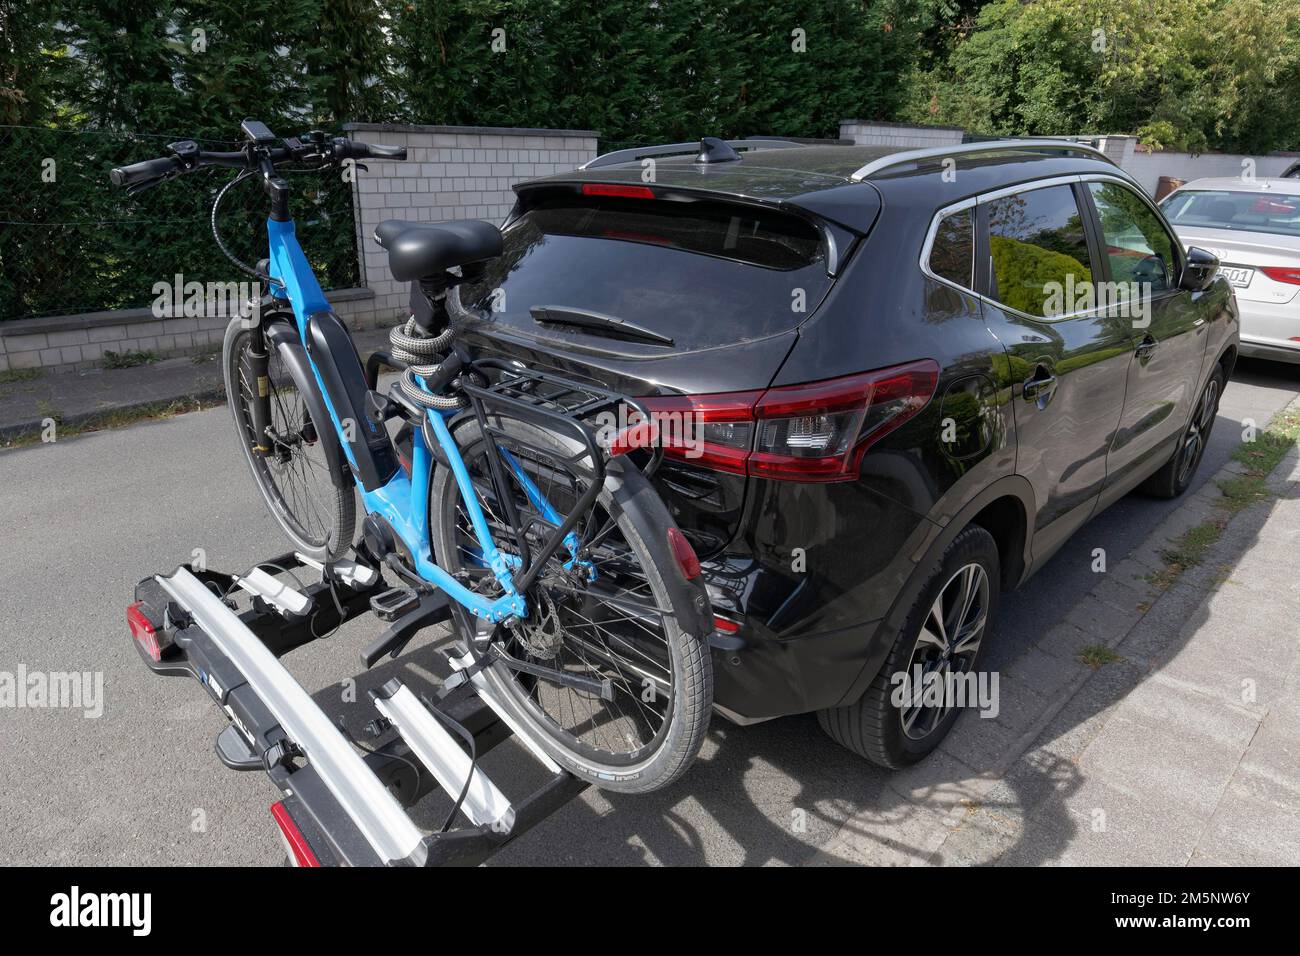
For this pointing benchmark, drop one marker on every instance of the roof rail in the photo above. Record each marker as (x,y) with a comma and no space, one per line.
(989,146)
(678,149)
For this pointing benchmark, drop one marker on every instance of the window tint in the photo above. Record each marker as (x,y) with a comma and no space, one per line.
(1039,250)
(1137,245)
(1278,213)
(702,273)
(953,250)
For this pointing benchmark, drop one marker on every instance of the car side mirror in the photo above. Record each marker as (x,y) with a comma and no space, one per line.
(1200,270)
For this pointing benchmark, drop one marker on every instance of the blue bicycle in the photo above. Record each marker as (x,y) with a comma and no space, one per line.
(575,595)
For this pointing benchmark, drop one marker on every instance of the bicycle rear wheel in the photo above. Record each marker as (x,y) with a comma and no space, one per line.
(303,484)
(623,627)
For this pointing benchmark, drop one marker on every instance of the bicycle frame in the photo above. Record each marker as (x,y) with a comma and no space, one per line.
(403,502)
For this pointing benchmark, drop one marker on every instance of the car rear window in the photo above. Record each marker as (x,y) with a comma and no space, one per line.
(702,273)
(1228,209)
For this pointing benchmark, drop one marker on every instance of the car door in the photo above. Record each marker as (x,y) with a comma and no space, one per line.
(1066,360)
(1142,264)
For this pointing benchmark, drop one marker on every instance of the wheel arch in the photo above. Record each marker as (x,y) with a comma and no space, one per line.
(1005,509)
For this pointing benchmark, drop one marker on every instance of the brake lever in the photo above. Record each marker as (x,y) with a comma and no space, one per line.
(136,188)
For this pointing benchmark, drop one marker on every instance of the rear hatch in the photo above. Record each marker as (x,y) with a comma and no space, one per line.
(651,292)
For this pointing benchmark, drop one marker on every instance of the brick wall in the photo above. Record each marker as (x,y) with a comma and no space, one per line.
(68,343)
(1148,167)
(902,135)
(451,172)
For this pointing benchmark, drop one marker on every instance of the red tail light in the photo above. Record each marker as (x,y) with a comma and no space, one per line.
(1287,274)
(684,553)
(295,844)
(143,631)
(813,432)
(620,192)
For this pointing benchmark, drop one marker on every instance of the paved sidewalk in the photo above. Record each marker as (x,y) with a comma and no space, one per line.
(1182,747)
(82,399)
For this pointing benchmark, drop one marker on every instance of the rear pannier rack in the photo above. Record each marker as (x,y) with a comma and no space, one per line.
(990,146)
(681,149)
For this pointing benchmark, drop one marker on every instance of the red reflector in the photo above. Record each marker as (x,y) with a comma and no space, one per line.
(684,554)
(295,844)
(725,626)
(641,435)
(1287,274)
(143,631)
(621,192)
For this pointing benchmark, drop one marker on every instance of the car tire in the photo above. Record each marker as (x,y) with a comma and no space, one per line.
(873,726)
(1176,475)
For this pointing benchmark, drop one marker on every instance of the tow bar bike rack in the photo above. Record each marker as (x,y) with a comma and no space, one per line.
(339,806)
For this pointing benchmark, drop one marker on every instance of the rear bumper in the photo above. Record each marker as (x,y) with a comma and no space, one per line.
(760,678)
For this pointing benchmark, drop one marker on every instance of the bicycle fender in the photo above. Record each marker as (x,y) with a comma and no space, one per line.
(284,336)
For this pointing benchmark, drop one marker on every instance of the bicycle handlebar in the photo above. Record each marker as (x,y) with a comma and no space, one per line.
(185,156)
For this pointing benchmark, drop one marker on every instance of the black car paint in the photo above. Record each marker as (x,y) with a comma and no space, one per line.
(821,575)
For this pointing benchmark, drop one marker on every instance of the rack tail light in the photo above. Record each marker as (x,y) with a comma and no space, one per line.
(812,432)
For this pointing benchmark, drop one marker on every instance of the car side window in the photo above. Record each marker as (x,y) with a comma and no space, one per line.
(952,254)
(1039,249)
(1137,244)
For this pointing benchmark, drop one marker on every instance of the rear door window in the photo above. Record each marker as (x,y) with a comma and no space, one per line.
(701,273)
(1039,250)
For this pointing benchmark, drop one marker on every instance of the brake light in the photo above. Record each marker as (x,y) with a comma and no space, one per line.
(295,844)
(142,629)
(1287,274)
(620,192)
(643,434)
(724,625)
(812,432)
(684,553)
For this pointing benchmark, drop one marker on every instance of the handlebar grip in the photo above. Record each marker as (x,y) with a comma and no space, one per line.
(386,152)
(149,169)
(348,149)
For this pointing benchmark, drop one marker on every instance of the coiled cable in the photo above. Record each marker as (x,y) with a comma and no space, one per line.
(416,350)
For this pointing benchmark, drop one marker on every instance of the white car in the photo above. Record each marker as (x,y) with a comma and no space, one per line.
(1254,229)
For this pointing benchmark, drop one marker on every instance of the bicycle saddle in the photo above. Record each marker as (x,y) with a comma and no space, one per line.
(423,250)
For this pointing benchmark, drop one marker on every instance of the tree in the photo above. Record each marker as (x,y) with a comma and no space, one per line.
(1185,74)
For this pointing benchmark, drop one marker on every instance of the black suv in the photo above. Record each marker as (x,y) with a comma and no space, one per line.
(894,382)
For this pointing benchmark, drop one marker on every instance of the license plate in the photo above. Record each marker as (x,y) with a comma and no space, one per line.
(1238,277)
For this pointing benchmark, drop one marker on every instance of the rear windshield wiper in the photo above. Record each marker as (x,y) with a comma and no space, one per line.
(597,322)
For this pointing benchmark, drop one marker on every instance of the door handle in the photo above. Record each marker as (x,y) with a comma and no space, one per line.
(1146,348)
(1039,389)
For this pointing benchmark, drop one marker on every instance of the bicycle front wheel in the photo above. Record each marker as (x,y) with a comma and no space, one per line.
(304,486)
(620,630)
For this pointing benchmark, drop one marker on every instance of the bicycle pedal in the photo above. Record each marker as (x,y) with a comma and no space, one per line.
(394,602)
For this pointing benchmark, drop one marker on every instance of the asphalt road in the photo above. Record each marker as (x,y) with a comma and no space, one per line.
(85,518)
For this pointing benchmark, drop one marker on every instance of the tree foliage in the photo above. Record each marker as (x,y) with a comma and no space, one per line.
(1182,74)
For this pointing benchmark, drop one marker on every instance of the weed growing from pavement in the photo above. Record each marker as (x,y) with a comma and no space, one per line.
(1258,458)
(117,419)
(129,359)
(15,375)
(1096,655)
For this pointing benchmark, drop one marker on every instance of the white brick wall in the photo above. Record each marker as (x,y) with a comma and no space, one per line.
(871,133)
(1147,168)
(450,173)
